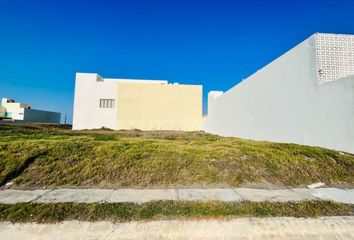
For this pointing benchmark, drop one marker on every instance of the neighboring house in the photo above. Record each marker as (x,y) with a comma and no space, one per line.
(305,96)
(12,111)
(135,104)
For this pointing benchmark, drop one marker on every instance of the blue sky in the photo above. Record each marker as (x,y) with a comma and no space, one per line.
(213,43)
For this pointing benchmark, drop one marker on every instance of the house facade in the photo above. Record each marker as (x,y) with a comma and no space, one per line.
(135,104)
(15,112)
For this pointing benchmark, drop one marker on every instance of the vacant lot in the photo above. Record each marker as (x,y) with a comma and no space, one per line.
(39,156)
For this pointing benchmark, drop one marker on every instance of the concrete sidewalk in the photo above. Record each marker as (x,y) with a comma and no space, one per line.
(145,195)
(243,228)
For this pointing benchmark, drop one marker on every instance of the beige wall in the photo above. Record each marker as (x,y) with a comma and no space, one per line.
(159,106)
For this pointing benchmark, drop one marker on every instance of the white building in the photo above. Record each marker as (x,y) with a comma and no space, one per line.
(306,96)
(135,104)
(12,111)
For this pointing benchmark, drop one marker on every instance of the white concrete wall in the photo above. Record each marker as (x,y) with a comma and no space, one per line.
(88,92)
(284,103)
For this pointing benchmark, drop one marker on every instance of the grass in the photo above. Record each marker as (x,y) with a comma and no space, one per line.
(117,212)
(38,156)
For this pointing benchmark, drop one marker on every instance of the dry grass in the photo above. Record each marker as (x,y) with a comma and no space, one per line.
(104,158)
(56,212)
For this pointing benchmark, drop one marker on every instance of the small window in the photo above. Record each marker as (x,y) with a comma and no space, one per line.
(106,103)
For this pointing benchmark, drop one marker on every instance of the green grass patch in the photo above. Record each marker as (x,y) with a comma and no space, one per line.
(56,212)
(100,158)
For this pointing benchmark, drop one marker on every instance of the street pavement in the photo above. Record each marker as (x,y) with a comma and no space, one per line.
(243,228)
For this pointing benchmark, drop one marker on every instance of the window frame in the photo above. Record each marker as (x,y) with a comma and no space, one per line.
(106,103)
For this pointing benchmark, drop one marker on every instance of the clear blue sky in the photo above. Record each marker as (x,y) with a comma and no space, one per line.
(213,43)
